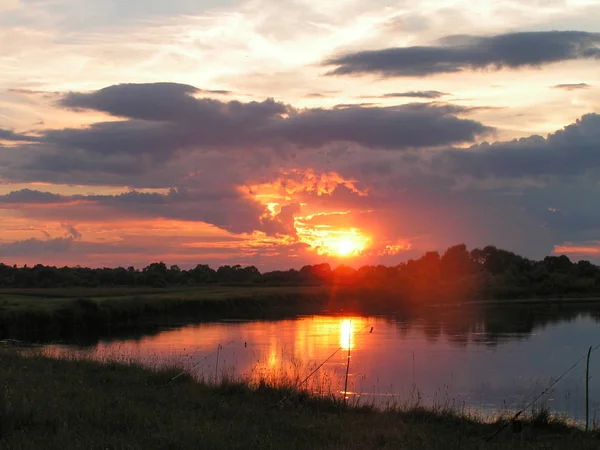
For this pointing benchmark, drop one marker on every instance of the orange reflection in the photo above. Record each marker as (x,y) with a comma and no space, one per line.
(281,352)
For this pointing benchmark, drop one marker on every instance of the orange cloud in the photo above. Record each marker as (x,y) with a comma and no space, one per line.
(592,248)
(291,187)
(394,249)
(293,182)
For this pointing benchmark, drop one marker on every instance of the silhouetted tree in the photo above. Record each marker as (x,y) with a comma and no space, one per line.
(458,273)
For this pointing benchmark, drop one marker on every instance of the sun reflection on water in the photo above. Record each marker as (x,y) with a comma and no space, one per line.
(346,331)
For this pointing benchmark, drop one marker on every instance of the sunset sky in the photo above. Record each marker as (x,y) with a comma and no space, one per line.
(288,132)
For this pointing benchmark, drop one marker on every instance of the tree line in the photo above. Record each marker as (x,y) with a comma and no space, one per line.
(489,271)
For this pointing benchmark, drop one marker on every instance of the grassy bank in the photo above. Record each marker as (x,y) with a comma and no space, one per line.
(61,404)
(61,313)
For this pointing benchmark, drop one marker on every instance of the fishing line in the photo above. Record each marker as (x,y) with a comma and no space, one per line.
(544,392)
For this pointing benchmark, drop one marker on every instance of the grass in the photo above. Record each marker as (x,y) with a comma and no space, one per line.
(60,313)
(79,404)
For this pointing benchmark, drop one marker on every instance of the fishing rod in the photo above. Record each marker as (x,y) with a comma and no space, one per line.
(295,388)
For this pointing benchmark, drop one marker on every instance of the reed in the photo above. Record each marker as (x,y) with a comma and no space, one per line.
(587,390)
(347,366)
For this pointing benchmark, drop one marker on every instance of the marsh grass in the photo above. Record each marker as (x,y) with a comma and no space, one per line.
(49,403)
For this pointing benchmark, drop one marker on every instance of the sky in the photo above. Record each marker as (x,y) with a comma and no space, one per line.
(280,133)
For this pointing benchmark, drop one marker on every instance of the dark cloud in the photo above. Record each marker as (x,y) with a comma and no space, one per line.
(106,139)
(416,94)
(172,102)
(322,94)
(44,94)
(27,91)
(464,52)
(73,247)
(10,135)
(354,105)
(395,128)
(209,170)
(71,231)
(217,91)
(571,151)
(25,196)
(132,250)
(36,247)
(224,207)
(572,87)
(166,118)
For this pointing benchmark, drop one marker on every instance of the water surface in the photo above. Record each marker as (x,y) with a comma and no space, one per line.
(489,361)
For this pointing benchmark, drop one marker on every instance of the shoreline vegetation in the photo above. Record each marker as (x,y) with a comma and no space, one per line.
(70,404)
(457,273)
(45,303)
(87,313)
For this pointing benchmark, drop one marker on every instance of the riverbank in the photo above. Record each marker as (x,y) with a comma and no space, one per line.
(74,404)
(85,315)
(38,315)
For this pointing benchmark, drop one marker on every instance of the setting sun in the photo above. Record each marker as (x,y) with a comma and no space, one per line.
(341,243)
(345,247)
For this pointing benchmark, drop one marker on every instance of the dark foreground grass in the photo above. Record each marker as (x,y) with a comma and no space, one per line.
(65,404)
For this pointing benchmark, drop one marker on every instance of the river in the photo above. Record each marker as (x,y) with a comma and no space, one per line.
(484,361)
